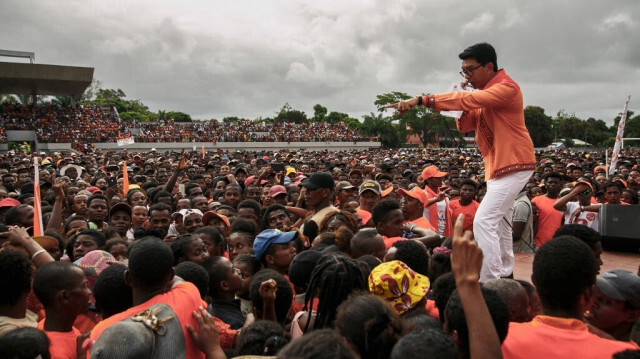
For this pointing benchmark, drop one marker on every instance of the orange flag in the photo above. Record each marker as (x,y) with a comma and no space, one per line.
(202,151)
(37,206)
(125,179)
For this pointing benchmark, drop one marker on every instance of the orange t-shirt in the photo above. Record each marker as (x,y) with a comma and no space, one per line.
(469,212)
(389,241)
(364,215)
(549,219)
(62,345)
(184,299)
(552,337)
(422,223)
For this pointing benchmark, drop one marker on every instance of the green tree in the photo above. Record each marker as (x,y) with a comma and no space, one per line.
(319,112)
(632,126)
(335,117)
(352,122)
(390,135)
(539,125)
(420,121)
(179,116)
(288,114)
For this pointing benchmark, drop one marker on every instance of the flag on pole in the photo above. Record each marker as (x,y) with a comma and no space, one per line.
(37,205)
(203,153)
(616,147)
(125,178)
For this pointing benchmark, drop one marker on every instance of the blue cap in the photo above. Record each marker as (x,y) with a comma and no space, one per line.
(269,237)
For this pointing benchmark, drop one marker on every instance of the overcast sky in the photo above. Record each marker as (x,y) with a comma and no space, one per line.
(246,58)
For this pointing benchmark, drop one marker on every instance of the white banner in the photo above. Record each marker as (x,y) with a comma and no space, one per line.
(616,147)
(126,141)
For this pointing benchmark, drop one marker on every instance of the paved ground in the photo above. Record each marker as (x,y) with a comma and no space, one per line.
(612,260)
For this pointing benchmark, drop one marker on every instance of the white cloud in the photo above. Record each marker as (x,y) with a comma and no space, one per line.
(480,23)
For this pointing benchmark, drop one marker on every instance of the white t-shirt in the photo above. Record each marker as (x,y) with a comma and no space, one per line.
(586,218)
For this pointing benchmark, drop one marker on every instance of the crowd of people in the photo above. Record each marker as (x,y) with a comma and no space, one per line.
(303,254)
(84,125)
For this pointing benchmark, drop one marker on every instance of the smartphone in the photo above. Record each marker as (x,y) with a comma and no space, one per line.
(181,188)
(112,182)
(277,167)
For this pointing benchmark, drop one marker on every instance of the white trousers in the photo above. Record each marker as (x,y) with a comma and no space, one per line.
(492,224)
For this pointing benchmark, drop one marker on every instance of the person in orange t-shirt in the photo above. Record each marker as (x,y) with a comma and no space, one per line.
(390,224)
(62,289)
(412,204)
(150,273)
(466,204)
(549,218)
(564,273)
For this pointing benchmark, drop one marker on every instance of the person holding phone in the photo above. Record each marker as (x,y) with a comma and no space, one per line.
(495,111)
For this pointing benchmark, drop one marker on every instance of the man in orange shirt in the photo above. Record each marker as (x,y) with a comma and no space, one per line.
(564,273)
(151,278)
(412,204)
(495,111)
(62,289)
(466,204)
(549,218)
(436,209)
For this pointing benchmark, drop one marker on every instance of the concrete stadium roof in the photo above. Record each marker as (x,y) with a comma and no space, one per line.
(52,80)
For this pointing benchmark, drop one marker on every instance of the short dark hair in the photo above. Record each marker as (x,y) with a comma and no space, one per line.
(283,294)
(51,278)
(442,289)
(481,52)
(249,259)
(469,182)
(456,319)
(588,235)
(97,236)
(95,197)
(253,204)
(111,292)
(262,337)
(150,261)
(414,255)
(13,216)
(214,267)
(553,175)
(563,269)
(239,224)
(430,343)
(382,209)
(318,344)
(15,276)
(265,217)
(196,274)
(160,207)
(25,343)
(160,193)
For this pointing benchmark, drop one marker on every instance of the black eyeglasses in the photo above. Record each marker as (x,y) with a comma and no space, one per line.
(469,72)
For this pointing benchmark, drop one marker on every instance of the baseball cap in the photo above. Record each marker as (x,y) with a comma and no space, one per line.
(319,180)
(302,266)
(269,237)
(370,185)
(417,193)
(621,285)
(432,171)
(9,202)
(120,207)
(342,185)
(153,333)
(398,285)
(209,215)
(277,190)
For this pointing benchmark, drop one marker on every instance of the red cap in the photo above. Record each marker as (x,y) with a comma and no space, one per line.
(277,190)
(9,202)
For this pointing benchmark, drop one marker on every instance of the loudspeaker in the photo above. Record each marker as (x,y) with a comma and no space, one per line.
(620,227)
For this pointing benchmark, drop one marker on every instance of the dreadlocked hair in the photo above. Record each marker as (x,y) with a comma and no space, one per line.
(333,279)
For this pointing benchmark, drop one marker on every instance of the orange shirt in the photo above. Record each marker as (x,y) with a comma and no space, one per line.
(62,345)
(552,337)
(469,212)
(184,299)
(389,241)
(422,223)
(439,213)
(496,113)
(364,215)
(549,219)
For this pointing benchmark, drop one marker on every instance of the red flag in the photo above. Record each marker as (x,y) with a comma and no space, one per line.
(203,151)
(125,179)
(37,205)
